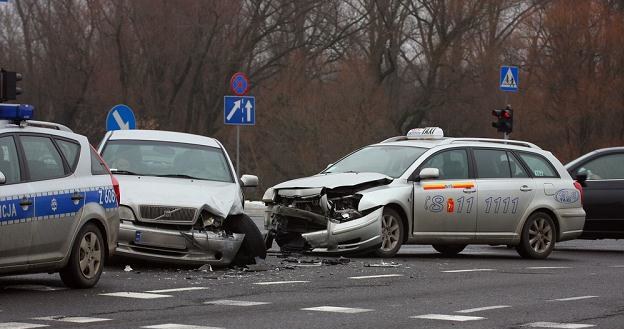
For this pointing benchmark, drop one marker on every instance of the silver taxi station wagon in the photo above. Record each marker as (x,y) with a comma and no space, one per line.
(425,188)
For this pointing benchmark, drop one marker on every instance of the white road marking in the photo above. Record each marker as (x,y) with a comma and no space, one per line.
(485,308)
(72,319)
(375,276)
(138,295)
(279,282)
(336,309)
(616,266)
(34,287)
(547,267)
(572,298)
(178,326)
(470,270)
(20,325)
(558,325)
(176,290)
(445,317)
(235,302)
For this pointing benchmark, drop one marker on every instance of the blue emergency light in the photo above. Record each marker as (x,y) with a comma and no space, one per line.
(16,112)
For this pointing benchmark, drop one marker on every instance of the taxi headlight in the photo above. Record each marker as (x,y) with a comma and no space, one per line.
(269,195)
(126,213)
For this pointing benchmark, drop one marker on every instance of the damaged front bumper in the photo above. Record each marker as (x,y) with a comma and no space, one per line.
(192,247)
(291,228)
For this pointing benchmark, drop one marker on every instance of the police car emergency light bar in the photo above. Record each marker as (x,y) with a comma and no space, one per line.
(425,133)
(16,112)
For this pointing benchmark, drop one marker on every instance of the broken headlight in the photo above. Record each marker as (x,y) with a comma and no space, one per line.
(269,195)
(345,208)
(208,220)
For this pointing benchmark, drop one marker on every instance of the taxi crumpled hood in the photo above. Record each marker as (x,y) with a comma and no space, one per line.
(220,198)
(337,180)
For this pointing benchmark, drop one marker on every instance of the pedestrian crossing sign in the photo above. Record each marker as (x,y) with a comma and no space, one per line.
(508,78)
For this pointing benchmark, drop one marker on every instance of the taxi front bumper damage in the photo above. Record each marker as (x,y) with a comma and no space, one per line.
(193,247)
(318,223)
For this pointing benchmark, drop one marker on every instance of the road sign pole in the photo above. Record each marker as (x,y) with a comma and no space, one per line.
(506,135)
(237,150)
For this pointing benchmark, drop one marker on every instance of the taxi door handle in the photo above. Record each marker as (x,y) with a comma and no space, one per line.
(26,202)
(525,188)
(77,197)
(470,190)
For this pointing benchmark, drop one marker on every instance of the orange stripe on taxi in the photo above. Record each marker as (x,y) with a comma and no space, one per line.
(434,187)
(463,185)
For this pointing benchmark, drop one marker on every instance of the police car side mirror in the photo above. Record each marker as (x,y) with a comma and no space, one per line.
(249,180)
(2,178)
(429,173)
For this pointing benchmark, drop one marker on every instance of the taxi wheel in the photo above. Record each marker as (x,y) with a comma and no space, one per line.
(86,261)
(449,249)
(538,236)
(392,233)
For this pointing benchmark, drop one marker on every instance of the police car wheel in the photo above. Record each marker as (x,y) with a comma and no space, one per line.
(86,261)
(538,236)
(449,249)
(392,233)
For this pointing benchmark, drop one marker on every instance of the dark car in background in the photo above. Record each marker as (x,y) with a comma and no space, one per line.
(601,173)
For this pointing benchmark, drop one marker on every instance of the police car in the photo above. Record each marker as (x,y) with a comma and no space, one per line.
(58,201)
(424,188)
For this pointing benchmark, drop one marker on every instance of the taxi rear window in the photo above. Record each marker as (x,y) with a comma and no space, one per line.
(538,165)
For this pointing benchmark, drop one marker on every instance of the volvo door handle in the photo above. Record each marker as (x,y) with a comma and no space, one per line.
(525,188)
(77,197)
(470,190)
(26,202)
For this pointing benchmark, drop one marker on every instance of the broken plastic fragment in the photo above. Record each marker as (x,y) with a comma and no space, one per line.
(383,264)
(128,268)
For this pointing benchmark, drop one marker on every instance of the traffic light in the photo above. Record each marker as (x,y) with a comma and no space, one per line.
(8,85)
(504,123)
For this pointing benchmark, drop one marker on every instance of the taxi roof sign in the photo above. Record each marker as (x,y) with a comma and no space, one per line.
(426,133)
(16,112)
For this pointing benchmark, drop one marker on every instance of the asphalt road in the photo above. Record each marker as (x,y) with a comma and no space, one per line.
(580,285)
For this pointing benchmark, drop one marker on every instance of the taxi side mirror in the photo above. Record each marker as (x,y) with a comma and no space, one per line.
(428,173)
(249,180)
(2,178)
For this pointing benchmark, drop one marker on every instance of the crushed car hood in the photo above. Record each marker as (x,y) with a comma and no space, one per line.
(219,198)
(332,181)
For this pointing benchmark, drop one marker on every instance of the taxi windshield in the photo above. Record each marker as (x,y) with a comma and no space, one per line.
(167,159)
(391,161)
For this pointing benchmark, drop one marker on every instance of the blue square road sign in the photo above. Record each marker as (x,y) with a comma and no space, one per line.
(239,110)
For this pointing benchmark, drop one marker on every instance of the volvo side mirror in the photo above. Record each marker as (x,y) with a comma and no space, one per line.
(249,180)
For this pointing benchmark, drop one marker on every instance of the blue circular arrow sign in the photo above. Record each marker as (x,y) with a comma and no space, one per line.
(120,117)
(239,84)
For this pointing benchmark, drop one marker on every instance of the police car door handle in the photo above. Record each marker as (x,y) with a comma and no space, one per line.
(470,190)
(77,197)
(525,188)
(26,202)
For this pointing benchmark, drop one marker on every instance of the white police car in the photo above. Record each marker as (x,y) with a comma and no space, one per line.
(424,188)
(58,201)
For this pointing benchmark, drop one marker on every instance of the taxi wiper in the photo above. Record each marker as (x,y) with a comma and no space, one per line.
(178,176)
(122,172)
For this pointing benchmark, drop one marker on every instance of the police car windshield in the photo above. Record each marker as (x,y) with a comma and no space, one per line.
(388,160)
(167,159)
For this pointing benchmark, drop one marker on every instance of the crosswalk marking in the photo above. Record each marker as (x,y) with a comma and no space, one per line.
(337,309)
(178,326)
(470,270)
(374,276)
(176,290)
(235,302)
(558,325)
(485,308)
(71,319)
(572,298)
(20,325)
(138,295)
(279,282)
(447,317)
(547,267)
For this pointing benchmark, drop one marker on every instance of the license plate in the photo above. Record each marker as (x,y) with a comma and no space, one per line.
(137,236)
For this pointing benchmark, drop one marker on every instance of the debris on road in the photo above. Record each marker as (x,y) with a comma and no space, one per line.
(128,268)
(205,268)
(383,264)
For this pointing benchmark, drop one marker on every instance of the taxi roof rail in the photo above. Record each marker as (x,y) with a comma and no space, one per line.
(493,140)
